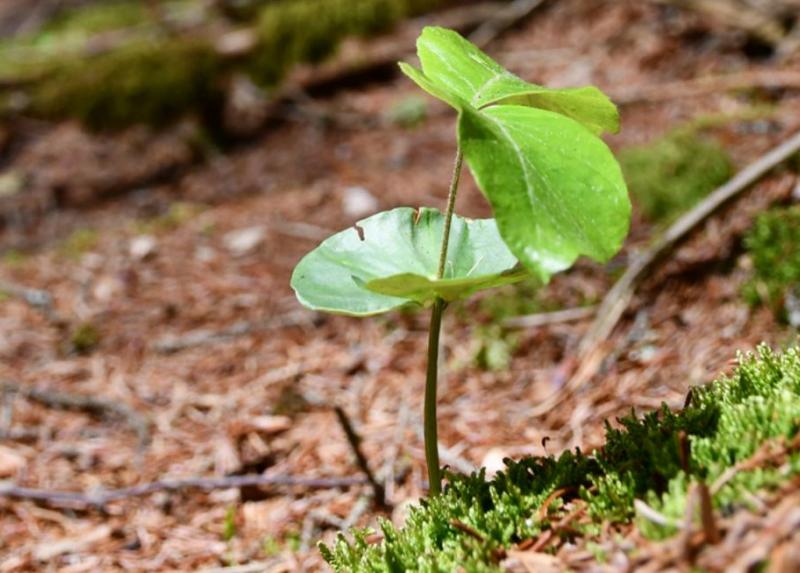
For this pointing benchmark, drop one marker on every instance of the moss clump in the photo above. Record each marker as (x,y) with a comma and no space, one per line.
(155,78)
(66,36)
(95,18)
(178,213)
(79,243)
(85,338)
(725,423)
(524,297)
(294,31)
(144,82)
(773,244)
(671,174)
(408,112)
(13,258)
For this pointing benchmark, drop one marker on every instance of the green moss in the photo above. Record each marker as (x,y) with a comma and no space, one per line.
(85,338)
(79,243)
(726,422)
(96,18)
(773,244)
(524,297)
(408,112)
(493,347)
(144,82)
(155,78)
(671,174)
(65,37)
(178,213)
(293,31)
(14,259)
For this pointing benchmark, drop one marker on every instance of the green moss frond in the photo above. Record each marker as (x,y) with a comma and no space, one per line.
(773,244)
(725,423)
(673,173)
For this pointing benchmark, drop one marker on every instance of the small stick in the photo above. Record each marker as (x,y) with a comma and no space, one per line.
(204,337)
(355,443)
(461,526)
(99,499)
(656,517)
(548,318)
(707,515)
(505,19)
(706,85)
(40,300)
(688,550)
(95,406)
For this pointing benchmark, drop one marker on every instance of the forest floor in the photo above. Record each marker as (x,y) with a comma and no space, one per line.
(177,291)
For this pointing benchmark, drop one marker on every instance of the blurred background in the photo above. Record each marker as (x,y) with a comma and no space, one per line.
(165,164)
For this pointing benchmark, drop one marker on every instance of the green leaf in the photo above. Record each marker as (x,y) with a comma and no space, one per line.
(422,289)
(391,259)
(456,71)
(556,190)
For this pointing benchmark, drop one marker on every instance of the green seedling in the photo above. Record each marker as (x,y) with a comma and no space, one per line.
(555,188)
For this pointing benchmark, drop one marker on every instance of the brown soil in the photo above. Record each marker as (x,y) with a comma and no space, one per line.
(263,400)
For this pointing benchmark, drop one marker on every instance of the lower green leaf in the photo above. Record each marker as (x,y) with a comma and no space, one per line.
(391,259)
(423,289)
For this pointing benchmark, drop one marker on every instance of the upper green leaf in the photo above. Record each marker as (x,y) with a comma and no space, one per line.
(391,258)
(556,190)
(456,71)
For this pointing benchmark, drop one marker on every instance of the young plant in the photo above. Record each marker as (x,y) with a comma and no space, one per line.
(555,188)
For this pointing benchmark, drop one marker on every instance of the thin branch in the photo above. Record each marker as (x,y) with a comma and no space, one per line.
(100,498)
(736,15)
(40,300)
(205,337)
(504,20)
(656,517)
(90,404)
(449,211)
(355,443)
(548,318)
(705,85)
(461,526)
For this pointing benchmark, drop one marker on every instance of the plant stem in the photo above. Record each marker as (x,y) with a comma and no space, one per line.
(431,433)
(448,214)
(432,376)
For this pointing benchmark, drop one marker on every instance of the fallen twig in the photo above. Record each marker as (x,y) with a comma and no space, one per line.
(761,23)
(767,453)
(707,85)
(204,337)
(461,526)
(252,567)
(548,318)
(355,443)
(90,404)
(590,349)
(656,517)
(101,498)
(39,299)
(517,11)
(710,528)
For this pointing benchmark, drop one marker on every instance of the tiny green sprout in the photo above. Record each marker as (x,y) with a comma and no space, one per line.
(555,188)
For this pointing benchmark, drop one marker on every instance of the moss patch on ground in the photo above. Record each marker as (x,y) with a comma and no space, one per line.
(725,423)
(158,75)
(310,30)
(773,245)
(673,173)
(145,82)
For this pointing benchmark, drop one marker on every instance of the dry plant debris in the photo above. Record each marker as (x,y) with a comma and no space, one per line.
(213,404)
